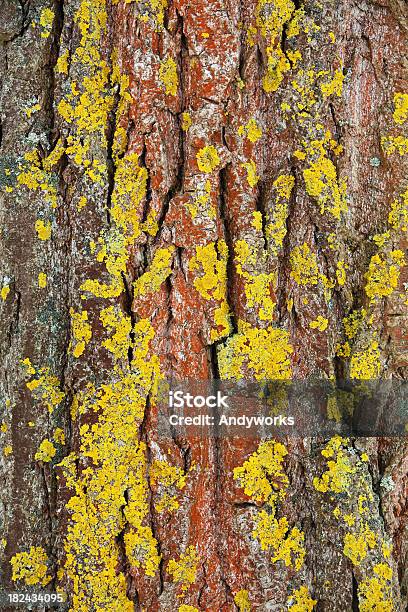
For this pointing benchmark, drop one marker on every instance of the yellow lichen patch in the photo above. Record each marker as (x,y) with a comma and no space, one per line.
(366,364)
(375,594)
(335,86)
(211,261)
(159,270)
(5,290)
(46,451)
(31,567)
(185,608)
(352,323)
(128,193)
(7,450)
(304,268)
(202,202)
(168,76)
(168,478)
(208,159)
(81,331)
(59,436)
(62,63)
(44,385)
(141,549)
(263,479)
(242,601)
(186,121)
(276,225)
(321,178)
(115,321)
(383,274)
(300,601)
(251,131)
(401,108)
(46,21)
(271,19)
(398,216)
(30,110)
(262,475)
(252,176)
(257,286)
(341,272)
(42,280)
(339,469)
(285,544)
(320,323)
(260,353)
(113,495)
(257,220)
(34,173)
(357,545)
(43,229)
(392,144)
(184,570)
(156,9)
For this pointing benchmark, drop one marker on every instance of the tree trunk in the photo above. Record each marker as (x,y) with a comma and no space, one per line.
(199,190)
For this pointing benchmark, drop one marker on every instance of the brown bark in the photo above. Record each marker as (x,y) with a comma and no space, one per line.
(131,96)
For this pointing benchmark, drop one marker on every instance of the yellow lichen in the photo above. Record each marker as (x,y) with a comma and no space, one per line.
(252,176)
(211,260)
(271,19)
(300,601)
(339,469)
(186,121)
(43,229)
(168,478)
(257,286)
(392,144)
(398,216)
(251,130)
(366,364)
(141,549)
(321,178)
(208,159)
(31,567)
(5,290)
(46,451)
(168,76)
(320,323)
(81,331)
(401,108)
(262,475)
(242,601)
(46,21)
(159,270)
(335,86)
(285,544)
(44,385)
(184,570)
(59,436)
(42,280)
(304,268)
(119,341)
(260,353)
(62,62)
(383,274)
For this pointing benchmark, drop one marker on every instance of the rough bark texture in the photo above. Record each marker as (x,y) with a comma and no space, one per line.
(211,189)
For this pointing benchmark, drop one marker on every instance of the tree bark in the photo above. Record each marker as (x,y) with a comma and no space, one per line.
(199,190)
